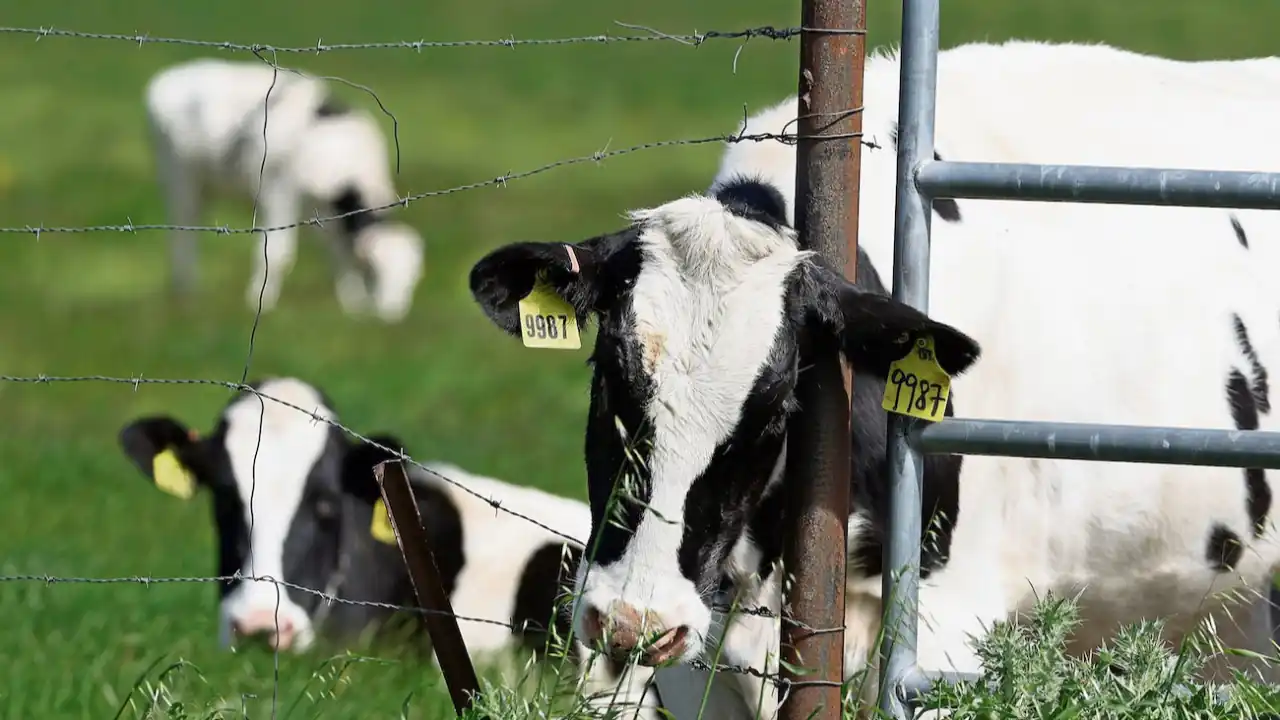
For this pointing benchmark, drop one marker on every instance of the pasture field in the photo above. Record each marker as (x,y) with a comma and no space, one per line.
(72,152)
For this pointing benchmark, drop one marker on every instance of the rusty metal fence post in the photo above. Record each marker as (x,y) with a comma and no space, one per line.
(419,559)
(828,163)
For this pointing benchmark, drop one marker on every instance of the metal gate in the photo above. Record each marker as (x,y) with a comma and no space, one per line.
(920,180)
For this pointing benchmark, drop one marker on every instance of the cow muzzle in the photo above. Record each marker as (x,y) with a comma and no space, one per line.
(623,633)
(279,632)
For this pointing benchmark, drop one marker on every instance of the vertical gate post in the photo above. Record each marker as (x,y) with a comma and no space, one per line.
(919,75)
(828,162)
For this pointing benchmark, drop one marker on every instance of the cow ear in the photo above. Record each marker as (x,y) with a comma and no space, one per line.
(874,330)
(357,468)
(165,451)
(578,273)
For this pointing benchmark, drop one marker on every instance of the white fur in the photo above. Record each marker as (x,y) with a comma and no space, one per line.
(198,108)
(496,547)
(1085,314)
(272,449)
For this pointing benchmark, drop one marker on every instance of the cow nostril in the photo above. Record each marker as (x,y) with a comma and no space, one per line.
(667,646)
(592,624)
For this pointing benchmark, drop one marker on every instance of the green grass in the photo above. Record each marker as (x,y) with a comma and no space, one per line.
(72,153)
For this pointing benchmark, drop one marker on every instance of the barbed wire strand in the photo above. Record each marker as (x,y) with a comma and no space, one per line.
(147,581)
(651,35)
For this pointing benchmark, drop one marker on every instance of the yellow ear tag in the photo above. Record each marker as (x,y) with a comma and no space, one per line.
(547,321)
(917,385)
(171,477)
(381,529)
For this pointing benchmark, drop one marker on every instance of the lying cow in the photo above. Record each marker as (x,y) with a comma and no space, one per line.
(709,306)
(292,501)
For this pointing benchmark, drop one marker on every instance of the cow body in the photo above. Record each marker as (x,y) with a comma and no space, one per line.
(247,129)
(1202,273)
(1133,315)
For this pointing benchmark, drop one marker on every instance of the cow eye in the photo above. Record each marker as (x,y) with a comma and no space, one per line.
(326,509)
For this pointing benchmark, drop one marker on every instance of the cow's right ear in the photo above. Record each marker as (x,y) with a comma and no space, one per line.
(165,451)
(580,273)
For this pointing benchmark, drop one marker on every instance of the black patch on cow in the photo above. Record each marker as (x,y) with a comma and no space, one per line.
(869,488)
(231,528)
(349,200)
(311,545)
(331,106)
(620,392)
(719,502)
(1224,548)
(443,521)
(947,208)
(754,200)
(1239,230)
(1244,411)
(1260,386)
(546,579)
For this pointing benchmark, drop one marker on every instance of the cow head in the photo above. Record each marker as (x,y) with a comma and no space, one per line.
(273,475)
(707,310)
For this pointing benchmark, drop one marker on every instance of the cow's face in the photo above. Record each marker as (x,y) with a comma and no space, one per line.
(707,309)
(273,476)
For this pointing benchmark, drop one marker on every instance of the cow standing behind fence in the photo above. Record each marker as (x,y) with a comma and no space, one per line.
(1023,101)
(707,307)
(222,126)
(292,501)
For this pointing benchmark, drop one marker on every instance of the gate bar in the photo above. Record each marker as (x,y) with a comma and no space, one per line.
(1103,443)
(912,216)
(1099,184)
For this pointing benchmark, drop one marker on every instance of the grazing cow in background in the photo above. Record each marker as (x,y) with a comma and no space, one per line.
(312,494)
(1022,101)
(244,127)
(709,306)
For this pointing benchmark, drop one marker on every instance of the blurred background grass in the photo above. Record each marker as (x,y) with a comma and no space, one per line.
(72,152)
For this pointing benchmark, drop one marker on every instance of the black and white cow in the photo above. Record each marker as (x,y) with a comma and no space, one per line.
(246,128)
(274,479)
(709,306)
(312,499)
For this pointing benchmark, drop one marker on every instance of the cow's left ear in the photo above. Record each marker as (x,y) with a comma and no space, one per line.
(357,468)
(873,329)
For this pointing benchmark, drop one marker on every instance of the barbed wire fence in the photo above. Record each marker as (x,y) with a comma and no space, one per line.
(270,55)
